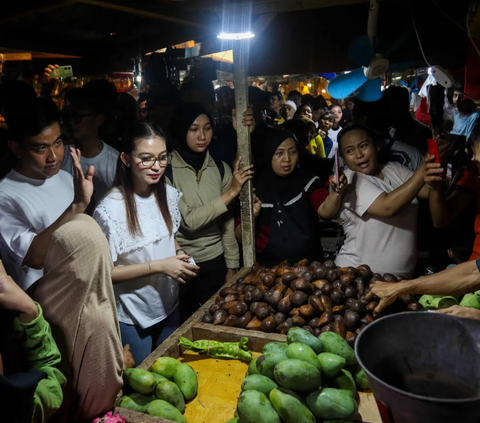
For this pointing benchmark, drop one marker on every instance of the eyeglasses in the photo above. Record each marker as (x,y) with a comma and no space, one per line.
(149,161)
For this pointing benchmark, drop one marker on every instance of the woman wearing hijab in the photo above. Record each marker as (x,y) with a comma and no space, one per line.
(288,202)
(208,186)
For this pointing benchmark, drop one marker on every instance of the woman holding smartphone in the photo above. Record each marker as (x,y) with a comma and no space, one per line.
(380,206)
(140,218)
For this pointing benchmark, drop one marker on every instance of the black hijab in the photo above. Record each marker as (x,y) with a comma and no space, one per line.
(179,126)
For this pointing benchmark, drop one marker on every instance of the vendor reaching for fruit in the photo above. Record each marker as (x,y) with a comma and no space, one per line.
(287,203)
(379,212)
(458,280)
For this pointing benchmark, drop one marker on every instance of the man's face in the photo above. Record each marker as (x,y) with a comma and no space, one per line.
(289,111)
(84,122)
(275,104)
(40,156)
(297,100)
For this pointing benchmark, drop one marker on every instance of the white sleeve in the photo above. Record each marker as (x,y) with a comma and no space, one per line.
(361,194)
(16,232)
(403,172)
(103,222)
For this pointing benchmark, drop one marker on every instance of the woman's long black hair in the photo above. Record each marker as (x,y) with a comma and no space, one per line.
(123,181)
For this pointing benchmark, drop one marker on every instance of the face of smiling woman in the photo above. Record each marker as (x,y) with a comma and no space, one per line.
(359,152)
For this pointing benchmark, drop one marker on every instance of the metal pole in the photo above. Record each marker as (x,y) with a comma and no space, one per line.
(240,63)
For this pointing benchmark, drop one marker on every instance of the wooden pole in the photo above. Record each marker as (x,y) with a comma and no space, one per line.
(240,66)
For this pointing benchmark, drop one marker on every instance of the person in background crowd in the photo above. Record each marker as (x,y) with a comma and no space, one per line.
(318,106)
(84,118)
(296,97)
(446,211)
(458,251)
(466,118)
(304,111)
(162,103)
(77,299)
(142,110)
(207,229)
(379,211)
(348,111)
(125,112)
(30,383)
(224,105)
(337,124)
(287,203)
(325,126)
(140,218)
(37,197)
(289,110)
(276,106)
(307,99)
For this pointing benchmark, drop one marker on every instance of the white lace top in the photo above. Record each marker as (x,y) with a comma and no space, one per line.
(148,300)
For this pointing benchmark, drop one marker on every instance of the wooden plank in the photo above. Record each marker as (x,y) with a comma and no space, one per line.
(10,57)
(240,68)
(144,13)
(30,12)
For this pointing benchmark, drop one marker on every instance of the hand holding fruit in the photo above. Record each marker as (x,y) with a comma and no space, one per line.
(387,293)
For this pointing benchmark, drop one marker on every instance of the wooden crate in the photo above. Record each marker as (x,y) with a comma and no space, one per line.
(214,405)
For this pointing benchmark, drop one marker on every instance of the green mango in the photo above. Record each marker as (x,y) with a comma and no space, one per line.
(335,344)
(158,378)
(344,381)
(305,337)
(135,402)
(252,367)
(186,379)
(140,380)
(166,367)
(255,407)
(337,421)
(331,404)
(171,393)
(275,347)
(331,364)
(470,300)
(163,409)
(362,379)
(234,420)
(297,375)
(258,383)
(266,363)
(436,302)
(303,352)
(477,296)
(290,406)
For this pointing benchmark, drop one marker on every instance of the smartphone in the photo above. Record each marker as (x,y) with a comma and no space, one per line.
(433,150)
(337,169)
(62,72)
(191,261)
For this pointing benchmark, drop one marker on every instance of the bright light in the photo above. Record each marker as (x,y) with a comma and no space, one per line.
(309,85)
(429,71)
(217,86)
(323,91)
(139,78)
(235,36)
(346,72)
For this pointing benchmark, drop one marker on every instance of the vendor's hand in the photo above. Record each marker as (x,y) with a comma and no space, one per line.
(248,119)
(432,172)
(257,205)
(240,176)
(176,267)
(12,297)
(387,293)
(230,274)
(48,70)
(343,183)
(82,184)
(459,311)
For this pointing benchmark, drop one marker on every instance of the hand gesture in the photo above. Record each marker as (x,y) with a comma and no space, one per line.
(12,297)
(240,176)
(459,311)
(387,293)
(248,119)
(82,184)
(341,185)
(178,268)
(257,205)
(48,70)
(432,172)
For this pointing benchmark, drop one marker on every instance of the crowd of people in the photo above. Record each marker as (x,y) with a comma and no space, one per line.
(120,217)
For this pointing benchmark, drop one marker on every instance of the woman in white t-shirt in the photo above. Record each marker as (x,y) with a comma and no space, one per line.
(140,217)
(379,212)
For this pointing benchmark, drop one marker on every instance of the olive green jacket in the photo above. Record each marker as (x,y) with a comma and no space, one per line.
(207,228)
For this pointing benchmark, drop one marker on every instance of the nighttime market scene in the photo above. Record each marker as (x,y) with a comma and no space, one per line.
(240,211)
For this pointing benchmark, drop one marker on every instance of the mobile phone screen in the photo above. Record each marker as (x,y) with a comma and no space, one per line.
(433,150)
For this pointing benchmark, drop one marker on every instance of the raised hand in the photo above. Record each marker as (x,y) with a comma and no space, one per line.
(342,184)
(248,119)
(240,176)
(83,184)
(47,73)
(432,172)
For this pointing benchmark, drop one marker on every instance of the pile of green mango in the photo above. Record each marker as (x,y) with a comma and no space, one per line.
(163,391)
(436,302)
(302,381)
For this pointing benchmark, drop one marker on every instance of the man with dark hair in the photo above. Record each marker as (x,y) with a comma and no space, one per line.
(84,117)
(318,107)
(296,97)
(36,197)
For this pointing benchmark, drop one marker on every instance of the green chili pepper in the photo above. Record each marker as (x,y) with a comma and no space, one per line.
(234,350)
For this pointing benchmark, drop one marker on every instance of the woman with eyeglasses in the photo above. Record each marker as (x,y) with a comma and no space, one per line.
(140,217)
(208,187)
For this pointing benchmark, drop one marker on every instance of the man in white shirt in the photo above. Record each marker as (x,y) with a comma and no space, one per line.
(84,118)
(36,197)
